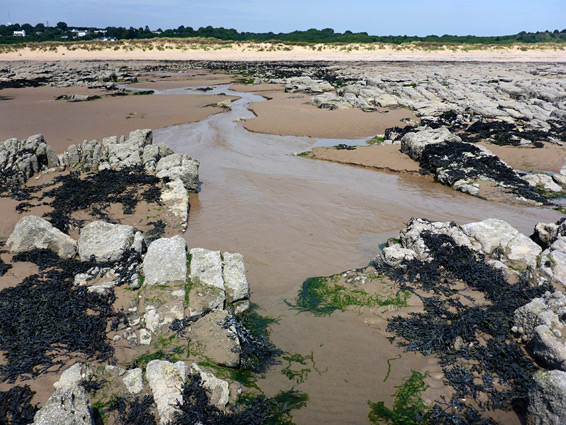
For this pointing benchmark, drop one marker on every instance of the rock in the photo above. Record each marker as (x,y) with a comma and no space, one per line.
(175,198)
(393,255)
(69,406)
(166,380)
(234,274)
(214,341)
(181,167)
(138,244)
(521,248)
(413,144)
(102,242)
(165,262)
(133,381)
(123,155)
(542,180)
(225,104)
(546,234)
(206,268)
(150,157)
(217,389)
(140,138)
(72,376)
(34,232)
(202,298)
(547,398)
(145,337)
(491,233)
(549,348)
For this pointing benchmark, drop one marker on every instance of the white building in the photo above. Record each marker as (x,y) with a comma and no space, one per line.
(21,33)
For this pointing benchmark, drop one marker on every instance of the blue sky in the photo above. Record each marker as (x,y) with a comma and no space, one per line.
(376,17)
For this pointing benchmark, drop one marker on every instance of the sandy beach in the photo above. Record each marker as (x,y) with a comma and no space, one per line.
(176,49)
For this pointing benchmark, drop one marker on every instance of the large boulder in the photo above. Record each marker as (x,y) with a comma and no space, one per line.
(547,398)
(491,233)
(413,144)
(34,232)
(104,242)
(68,406)
(166,380)
(165,262)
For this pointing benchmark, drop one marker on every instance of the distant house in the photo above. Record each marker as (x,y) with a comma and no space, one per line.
(79,33)
(21,33)
(64,37)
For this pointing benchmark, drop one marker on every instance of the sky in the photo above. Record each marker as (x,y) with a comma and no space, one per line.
(376,17)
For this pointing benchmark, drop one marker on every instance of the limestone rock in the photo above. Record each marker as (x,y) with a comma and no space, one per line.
(101,241)
(133,381)
(549,348)
(206,267)
(413,144)
(69,406)
(34,232)
(175,198)
(166,380)
(491,233)
(180,167)
(547,399)
(203,297)
(521,248)
(72,376)
(234,273)
(165,262)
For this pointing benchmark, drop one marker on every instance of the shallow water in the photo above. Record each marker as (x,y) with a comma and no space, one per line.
(293,218)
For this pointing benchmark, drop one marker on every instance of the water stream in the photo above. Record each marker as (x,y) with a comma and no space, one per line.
(293,218)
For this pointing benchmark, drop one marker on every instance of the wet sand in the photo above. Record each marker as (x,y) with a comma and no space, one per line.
(291,114)
(35,110)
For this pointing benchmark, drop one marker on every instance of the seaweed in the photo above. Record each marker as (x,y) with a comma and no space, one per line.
(46,320)
(257,352)
(322,296)
(463,161)
(195,408)
(488,361)
(96,191)
(131,411)
(408,407)
(16,407)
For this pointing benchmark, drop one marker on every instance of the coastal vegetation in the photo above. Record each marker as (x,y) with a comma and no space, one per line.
(62,31)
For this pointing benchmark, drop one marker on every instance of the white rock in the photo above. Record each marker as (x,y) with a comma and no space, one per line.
(34,232)
(218,389)
(165,262)
(133,381)
(166,380)
(234,273)
(101,241)
(206,267)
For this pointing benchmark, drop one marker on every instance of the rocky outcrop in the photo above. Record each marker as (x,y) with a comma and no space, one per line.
(21,159)
(104,242)
(218,389)
(414,143)
(33,232)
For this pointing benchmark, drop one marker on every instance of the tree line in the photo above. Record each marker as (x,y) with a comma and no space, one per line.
(62,31)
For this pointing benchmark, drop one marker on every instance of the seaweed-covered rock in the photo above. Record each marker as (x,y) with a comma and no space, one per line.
(33,232)
(69,406)
(165,262)
(166,380)
(414,143)
(218,389)
(234,274)
(104,242)
(547,398)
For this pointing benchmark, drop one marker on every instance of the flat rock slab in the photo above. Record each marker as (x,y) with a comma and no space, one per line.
(102,242)
(69,406)
(234,273)
(166,381)
(166,262)
(34,232)
(491,233)
(206,267)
